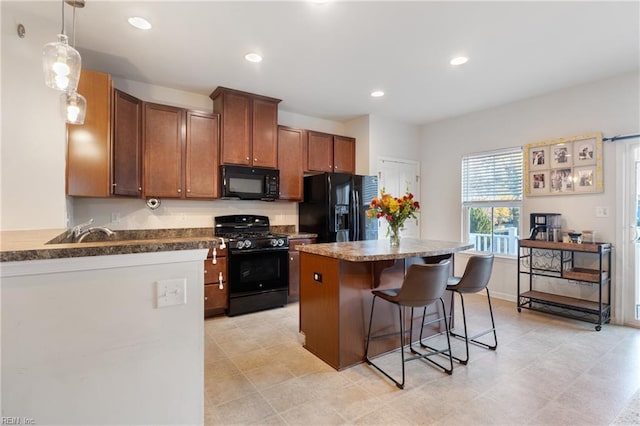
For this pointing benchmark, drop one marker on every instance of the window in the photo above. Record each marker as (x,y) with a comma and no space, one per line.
(492,200)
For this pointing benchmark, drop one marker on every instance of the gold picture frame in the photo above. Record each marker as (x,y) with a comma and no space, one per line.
(564,166)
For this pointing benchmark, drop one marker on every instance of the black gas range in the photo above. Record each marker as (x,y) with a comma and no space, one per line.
(258,263)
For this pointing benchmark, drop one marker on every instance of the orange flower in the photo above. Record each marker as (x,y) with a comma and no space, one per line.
(394,210)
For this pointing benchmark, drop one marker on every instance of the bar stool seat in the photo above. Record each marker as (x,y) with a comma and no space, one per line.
(475,279)
(423,286)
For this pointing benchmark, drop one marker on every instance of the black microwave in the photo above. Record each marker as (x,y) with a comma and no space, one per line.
(250,183)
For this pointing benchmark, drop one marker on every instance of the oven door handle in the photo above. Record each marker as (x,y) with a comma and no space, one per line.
(259,250)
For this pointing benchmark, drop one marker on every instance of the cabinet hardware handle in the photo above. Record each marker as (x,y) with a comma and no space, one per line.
(179,190)
(247,158)
(214,259)
(139,188)
(206,298)
(220,285)
(255,159)
(114,184)
(205,271)
(188,190)
(292,259)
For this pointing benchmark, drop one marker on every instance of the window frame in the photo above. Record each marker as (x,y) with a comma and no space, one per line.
(492,204)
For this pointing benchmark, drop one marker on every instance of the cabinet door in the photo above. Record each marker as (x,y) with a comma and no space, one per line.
(235,128)
(163,146)
(264,133)
(290,154)
(201,158)
(127,145)
(215,298)
(89,145)
(319,152)
(344,154)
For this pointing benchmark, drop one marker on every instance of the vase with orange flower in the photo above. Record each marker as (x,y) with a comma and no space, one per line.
(395,210)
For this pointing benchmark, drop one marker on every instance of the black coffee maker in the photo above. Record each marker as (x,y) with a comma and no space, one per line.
(545,227)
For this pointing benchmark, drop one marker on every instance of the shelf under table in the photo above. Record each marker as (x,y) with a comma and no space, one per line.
(569,302)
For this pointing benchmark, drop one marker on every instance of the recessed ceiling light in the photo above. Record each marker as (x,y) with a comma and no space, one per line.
(377,93)
(140,23)
(459,60)
(253,57)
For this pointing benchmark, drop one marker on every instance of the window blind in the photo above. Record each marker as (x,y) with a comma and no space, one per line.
(492,176)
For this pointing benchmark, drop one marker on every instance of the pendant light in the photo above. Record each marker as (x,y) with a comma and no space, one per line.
(61,62)
(74,107)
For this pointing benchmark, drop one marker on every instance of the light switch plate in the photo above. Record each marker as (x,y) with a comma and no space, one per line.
(602,211)
(171,292)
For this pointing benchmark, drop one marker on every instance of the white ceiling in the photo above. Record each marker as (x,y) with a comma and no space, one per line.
(324,60)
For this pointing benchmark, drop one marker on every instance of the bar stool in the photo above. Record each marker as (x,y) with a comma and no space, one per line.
(475,279)
(423,286)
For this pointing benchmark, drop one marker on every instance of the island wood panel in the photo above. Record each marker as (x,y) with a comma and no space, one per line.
(319,318)
(334,313)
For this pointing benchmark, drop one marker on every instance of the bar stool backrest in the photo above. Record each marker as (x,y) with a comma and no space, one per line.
(424,284)
(476,274)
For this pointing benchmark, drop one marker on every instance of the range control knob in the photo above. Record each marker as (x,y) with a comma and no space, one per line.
(247,243)
(280,242)
(273,242)
(240,244)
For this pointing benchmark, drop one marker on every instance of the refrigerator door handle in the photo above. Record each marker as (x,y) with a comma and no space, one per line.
(357,211)
(352,222)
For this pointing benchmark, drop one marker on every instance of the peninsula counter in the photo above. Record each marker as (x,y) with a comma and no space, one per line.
(336,280)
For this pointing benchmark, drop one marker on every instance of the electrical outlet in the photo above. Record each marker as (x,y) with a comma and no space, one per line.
(602,211)
(115,217)
(171,292)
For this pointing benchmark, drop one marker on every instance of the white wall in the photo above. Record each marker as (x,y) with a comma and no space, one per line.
(392,139)
(33,130)
(609,106)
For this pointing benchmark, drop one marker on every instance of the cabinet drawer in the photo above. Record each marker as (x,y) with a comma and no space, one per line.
(214,297)
(212,272)
(219,252)
(300,242)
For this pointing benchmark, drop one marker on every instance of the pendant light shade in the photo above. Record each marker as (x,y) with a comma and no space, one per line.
(61,64)
(74,107)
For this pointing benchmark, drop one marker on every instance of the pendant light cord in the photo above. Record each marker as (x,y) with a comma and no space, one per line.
(62,1)
(74,28)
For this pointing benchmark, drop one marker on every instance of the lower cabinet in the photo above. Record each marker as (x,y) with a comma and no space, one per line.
(216,291)
(294,266)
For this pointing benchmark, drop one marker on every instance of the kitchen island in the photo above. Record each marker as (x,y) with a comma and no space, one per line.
(336,280)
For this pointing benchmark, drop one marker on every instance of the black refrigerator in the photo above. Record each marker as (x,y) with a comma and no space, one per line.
(335,207)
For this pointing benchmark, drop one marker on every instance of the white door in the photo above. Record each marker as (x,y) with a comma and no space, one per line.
(398,176)
(628,290)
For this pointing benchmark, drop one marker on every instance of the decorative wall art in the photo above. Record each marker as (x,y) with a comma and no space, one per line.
(564,166)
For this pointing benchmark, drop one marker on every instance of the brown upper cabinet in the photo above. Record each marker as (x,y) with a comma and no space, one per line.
(248,128)
(201,159)
(180,153)
(104,154)
(290,155)
(88,172)
(127,145)
(329,153)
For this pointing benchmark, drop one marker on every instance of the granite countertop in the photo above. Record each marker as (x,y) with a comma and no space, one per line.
(52,244)
(55,244)
(363,251)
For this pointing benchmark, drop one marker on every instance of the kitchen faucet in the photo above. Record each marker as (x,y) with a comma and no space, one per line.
(79,233)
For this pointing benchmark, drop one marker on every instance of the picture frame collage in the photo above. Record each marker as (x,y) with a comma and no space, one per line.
(564,166)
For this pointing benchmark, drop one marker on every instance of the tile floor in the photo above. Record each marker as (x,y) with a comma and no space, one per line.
(547,370)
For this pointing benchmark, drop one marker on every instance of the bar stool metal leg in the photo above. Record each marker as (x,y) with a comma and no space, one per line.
(473,339)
